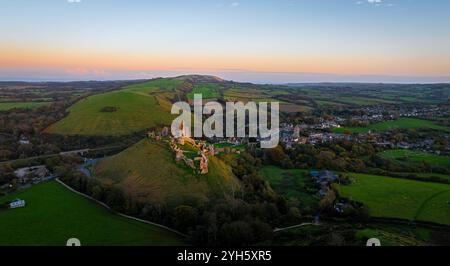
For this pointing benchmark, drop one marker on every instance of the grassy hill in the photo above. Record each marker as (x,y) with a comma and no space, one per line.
(401,198)
(402,123)
(134,108)
(149,171)
(54,214)
(208,91)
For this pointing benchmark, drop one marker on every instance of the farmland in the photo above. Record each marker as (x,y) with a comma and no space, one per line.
(402,123)
(208,91)
(291,183)
(416,156)
(336,94)
(399,198)
(54,214)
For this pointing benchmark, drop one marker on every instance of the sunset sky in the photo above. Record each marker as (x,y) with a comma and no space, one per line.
(247,40)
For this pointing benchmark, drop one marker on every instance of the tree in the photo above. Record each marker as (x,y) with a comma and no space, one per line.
(185,217)
(328,200)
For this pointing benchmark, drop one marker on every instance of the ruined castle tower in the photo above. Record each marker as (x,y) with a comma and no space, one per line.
(204,164)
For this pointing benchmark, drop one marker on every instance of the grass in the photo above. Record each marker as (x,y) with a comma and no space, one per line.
(425,175)
(208,91)
(245,95)
(240,147)
(139,107)
(402,123)
(25,105)
(149,171)
(361,100)
(294,108)
(54,214)
(323,103)
(290,183)
(416,156)
(401,198)
(389,237)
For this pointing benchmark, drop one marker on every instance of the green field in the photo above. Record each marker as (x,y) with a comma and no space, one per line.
(416,156)
(149,171)
(361,100)
(402,123)
(138,107)
(54,214)
(400,237)
(401,198)
(426,175)
(290,183)
(26,105)
(208,91)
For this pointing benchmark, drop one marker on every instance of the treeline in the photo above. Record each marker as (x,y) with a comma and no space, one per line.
(30,124)
(343,156)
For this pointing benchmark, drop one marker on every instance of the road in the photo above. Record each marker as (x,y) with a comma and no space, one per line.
(62,153)
(294,226)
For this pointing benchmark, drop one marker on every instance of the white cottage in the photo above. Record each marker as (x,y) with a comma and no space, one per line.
(17,203)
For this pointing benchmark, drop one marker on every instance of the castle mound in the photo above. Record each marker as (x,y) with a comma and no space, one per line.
(149,171)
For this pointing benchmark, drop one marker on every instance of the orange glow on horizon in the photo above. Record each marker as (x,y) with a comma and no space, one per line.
(42,57)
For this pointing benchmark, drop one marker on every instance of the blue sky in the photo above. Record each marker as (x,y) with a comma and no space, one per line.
(254,40)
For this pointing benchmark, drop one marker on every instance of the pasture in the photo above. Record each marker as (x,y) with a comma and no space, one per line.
(402,123)
(54,214)
(400,198)
(208,91)
(292,183)
(137,107)
(416,156)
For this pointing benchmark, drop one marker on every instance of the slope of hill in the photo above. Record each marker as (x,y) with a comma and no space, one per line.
(400,198)
(149,171)
(132,109)
(54,214)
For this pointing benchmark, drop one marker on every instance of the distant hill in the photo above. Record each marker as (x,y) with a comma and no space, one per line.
(148,170)
(146,105)
(131,109)
(200,78)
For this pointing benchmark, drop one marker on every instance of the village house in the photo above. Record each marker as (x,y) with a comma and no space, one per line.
(17,203)
(324,179)
(24,140)
(33,174)
(323,176)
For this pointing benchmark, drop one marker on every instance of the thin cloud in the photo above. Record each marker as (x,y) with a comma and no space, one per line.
(375,3)
(234,4)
